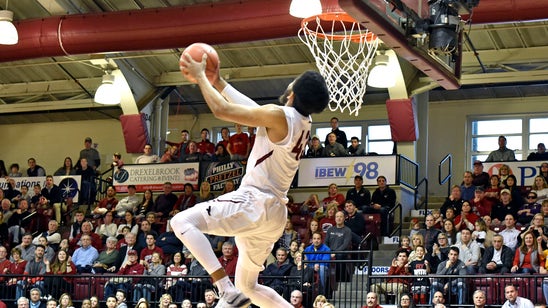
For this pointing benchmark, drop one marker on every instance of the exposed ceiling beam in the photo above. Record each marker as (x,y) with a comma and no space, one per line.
(498,78)
(50,105)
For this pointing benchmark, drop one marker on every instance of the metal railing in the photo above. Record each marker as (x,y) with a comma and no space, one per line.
(446,162)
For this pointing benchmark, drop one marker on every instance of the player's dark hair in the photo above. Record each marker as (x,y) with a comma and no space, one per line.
(310,93)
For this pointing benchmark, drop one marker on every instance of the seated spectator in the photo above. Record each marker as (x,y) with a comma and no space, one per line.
(526,258)
(513,300)
(17,267)
(438,219)
(316,253)
(315,148)
(496,259)
(128,203)
(205,193)
(540,187)
(451,267)
(481,206)
(85,256)
(34,169)
(310,205)
(107,228)
(329,220)
(469,251)
(466,219)
(147,157)
(144,231)
(450,215)
(130,222)
(382,201)
(26,247)
(440,251)
(20,222)
(467,188)
(359,194)
(528,209)
(176,284)
(229,259)
(65,301)
(334,195)
(148,252)
(502,153)
(306,277)
(313,226)
(372,301)
(333,148)
(221,155)
(449,231)
(430,233)
(170,154)
(52,235)
(480,178)
(14,171)
(405,243)
(492,193)
(106,204)
(169,243)
(49,253)
(356,148)
(416,240)
(394,285)
(281,267)
(57,280)
(87,229)
(505,207)
(145,205)
(538,228)
(504,172)
(540,154)
(106,262)
(145,287)
(156,227)
(288,236)
(131,267)
(479,235)
(511,184)
(185,201)
(76,226)
(510,233)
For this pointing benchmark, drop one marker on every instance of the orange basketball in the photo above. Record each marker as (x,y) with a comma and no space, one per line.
(196,51)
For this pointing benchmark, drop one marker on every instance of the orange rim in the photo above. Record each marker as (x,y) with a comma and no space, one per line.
(337,16)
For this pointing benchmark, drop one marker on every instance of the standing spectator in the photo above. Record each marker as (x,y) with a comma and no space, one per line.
(206,147)
(479,177)
(359,194)
(87,189)
(513,300)
(252,135)
(147,157)
(420,268)
(181,146)
(502,153)
(315,148)
(52,193)
(356,148)
(238,144)
(90,154)
(34,169)
(497,258)
(541,153)
(14,171)
(382,201)
(170,154)
(225,137)
(338,238)
(355,221)
(340,135)
(430,233)
(333,148)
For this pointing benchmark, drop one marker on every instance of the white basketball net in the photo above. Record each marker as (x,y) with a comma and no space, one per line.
(342,58)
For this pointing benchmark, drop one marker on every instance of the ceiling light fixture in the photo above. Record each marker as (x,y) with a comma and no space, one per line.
(8,32)
(380,75)
(305,8)
(108,93)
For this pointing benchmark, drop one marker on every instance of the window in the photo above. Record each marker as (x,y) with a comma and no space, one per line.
(522,133)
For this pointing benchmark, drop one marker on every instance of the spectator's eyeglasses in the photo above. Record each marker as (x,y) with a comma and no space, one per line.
(531,197)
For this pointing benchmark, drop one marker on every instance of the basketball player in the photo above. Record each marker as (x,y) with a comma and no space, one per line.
(255,213)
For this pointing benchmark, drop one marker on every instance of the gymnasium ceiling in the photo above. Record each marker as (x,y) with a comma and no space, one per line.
(60,87)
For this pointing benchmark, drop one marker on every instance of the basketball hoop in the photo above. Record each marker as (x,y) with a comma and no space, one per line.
(343,50)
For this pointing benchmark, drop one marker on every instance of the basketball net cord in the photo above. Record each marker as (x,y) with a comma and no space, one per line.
(342,59)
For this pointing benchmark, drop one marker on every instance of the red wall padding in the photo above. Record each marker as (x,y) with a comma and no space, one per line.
(402,115)
(135,132)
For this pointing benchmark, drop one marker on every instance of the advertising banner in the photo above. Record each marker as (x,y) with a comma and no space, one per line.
(317,172)
(218,173)
(153,176)
(69,185)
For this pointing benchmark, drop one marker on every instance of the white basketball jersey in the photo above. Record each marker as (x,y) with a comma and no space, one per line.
(272,166)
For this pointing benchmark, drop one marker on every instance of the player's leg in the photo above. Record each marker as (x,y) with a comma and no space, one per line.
(252,254)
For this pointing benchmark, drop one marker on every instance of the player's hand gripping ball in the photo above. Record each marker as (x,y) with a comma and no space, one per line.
(196,51)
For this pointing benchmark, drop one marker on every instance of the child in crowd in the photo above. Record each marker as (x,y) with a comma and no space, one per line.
(405,243)
(438,219)
(421,283)
(479,234)
(415,226)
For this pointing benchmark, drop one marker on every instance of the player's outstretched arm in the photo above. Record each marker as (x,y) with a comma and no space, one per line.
(270,116)
(232,95)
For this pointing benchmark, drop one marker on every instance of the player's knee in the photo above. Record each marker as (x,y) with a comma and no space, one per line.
(246,287)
